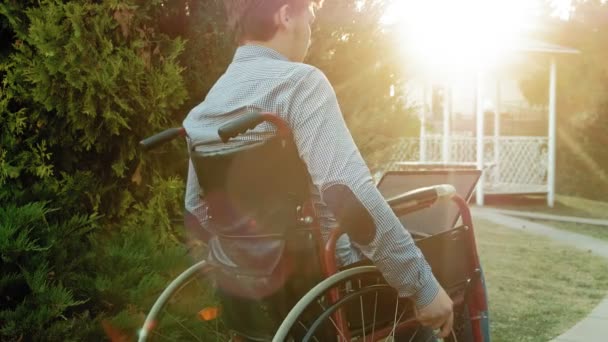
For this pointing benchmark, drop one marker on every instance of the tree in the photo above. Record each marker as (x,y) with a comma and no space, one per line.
(361,59)
(582,105)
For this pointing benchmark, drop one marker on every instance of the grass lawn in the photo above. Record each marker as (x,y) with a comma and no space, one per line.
(537,288)
(564,205)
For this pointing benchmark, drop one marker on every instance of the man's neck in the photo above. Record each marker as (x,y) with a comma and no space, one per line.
(273,44)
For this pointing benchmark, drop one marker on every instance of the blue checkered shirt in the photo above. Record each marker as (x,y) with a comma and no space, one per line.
(261,79)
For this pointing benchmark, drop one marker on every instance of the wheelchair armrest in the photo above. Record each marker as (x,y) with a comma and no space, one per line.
(420,198)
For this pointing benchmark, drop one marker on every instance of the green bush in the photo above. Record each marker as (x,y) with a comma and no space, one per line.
(82,83)
(41,272)
(87,240)
(137,258)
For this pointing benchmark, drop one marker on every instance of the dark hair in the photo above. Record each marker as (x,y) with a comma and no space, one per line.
(253,19)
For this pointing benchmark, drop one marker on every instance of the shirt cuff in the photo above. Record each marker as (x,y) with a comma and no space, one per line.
(428,290)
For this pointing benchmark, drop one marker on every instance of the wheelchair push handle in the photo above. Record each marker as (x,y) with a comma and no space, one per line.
(162,137)
(250,121)
(240,125)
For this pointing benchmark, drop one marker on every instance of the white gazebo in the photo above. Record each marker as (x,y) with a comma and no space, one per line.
(510,164)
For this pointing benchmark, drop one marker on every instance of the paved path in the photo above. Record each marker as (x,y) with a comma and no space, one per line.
(593,328)
(596,246)
(552,217)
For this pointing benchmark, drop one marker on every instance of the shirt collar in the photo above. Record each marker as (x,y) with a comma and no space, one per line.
(248,52)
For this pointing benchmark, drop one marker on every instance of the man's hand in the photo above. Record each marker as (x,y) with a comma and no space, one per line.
(438,314)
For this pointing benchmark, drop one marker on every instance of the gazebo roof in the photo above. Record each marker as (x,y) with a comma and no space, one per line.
(541,46)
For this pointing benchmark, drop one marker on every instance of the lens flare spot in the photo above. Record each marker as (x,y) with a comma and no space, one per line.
(208,314)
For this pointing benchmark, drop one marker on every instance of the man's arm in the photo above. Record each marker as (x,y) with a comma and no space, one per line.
(346,186)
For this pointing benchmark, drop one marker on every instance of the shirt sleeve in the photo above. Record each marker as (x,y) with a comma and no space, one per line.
(193,202)
(332,158)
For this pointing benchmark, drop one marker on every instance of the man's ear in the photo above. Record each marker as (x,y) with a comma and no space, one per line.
(282,17)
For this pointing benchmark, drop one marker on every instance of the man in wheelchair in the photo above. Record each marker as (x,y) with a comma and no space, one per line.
(244,193)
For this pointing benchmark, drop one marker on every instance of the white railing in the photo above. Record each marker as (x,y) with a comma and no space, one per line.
(511,164)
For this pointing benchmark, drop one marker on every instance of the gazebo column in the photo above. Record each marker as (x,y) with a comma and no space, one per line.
(447,113)
(496,160)
(480,132)
(552,134)
(427,108)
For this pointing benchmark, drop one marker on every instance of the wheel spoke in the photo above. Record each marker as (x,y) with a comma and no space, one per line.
(415,333)
(162,336)
(396,319)
(362,313)
(306,329)
(354,281)
(183,326)
(335,325)
(392,334)
(374,318)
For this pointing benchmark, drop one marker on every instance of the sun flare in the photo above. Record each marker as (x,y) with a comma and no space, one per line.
(452,35)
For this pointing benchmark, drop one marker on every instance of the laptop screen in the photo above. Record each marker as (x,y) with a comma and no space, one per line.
(444,214)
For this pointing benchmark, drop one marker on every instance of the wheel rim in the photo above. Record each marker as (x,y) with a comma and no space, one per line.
(187,310)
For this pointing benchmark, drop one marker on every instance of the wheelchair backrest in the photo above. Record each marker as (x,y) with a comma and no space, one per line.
(253,189)
(255,195)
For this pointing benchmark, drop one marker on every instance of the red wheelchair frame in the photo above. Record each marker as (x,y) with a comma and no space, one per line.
(402,205)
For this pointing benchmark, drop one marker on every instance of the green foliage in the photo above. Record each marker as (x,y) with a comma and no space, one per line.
(40,272)
(209,47)
(359,57)
(87,240)
(82,83)
(582,105)
(136,259)
(91,88)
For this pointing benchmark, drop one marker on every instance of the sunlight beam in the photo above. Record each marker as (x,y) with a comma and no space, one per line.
(450,34)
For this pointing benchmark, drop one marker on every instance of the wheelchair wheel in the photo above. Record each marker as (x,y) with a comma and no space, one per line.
(352,304)
(186,310)
(358,305)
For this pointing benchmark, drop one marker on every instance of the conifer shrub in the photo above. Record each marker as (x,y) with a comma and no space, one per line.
(84,215)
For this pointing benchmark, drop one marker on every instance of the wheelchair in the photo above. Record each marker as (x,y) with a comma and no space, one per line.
(283,282)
